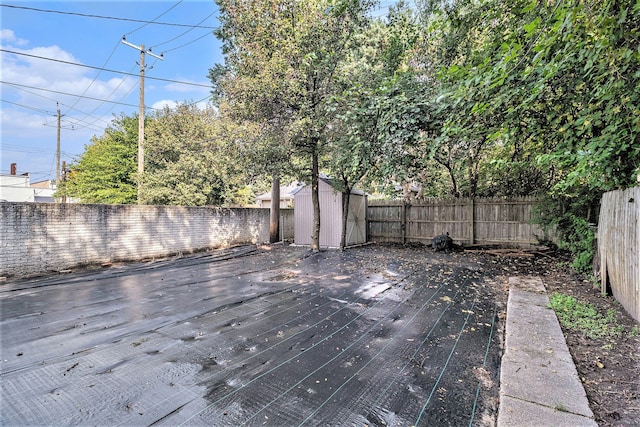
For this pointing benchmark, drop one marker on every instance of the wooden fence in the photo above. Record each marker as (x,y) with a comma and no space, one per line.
(618,245)
(484,221)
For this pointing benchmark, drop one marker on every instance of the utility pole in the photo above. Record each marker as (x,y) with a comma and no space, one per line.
(58,153)
(64,178)
(141,114)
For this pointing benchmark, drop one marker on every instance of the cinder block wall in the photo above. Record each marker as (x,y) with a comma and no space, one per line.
(38,237)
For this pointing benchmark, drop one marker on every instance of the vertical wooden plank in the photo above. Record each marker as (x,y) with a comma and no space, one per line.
(472,221)
(619,246)
(403,224)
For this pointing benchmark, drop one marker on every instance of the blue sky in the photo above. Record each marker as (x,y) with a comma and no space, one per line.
(33,89)
(28,113)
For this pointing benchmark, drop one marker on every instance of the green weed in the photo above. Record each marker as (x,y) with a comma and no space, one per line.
(584,318)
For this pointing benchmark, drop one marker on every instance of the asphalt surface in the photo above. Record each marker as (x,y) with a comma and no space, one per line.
(255,336)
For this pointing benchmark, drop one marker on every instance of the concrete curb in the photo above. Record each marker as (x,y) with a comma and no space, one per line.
(539,384)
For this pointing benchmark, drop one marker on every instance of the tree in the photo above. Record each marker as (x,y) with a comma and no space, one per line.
(549,90)
(355,136)
(106,171)
(192,158)
(279,71)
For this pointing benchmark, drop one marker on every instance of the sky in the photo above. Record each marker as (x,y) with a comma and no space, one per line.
(69,55)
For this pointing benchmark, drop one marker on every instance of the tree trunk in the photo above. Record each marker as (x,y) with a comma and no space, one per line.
(274,216)
(315,200)
(345,215)
(473,176)
(455,192)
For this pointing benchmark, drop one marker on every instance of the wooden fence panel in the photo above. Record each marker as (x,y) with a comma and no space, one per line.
(434,217)
(386,221)
(618,245)
(468,221)
(506,221)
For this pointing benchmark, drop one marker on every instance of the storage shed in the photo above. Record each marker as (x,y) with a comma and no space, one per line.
(330,216)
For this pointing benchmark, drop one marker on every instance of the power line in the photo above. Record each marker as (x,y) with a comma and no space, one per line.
(121,81)
(188,43)
(97,74)
(38,110)
(71,94)
(105,17)
(76,121)
(100,68)
(54,100)
(90,114)
(154,19)
(189,30)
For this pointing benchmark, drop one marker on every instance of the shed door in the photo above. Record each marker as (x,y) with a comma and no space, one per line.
(357,220)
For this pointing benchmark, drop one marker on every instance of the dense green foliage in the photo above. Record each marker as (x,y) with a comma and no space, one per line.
(106,171)
(280,71)
(463,97)
(192,158)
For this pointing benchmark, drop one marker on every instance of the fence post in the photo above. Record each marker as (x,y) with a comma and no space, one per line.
(403,223)
(472,221)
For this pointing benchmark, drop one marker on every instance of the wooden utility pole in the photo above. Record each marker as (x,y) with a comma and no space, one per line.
(64,178)
(141,122)
(274,217)
(141,114)
(58,153)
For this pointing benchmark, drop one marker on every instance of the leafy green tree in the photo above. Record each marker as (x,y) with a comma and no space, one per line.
(548,92)
(106,171)
(279,71)
(192,158)
(372,134)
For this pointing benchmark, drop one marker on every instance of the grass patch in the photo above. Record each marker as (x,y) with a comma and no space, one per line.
(584,318)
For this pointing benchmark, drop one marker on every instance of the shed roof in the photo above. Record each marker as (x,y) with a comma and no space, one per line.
(327,180)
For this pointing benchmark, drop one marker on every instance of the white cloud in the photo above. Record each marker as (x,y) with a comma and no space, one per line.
(9,37)
(65,85)
(159,105)
(27,118)
(29,122)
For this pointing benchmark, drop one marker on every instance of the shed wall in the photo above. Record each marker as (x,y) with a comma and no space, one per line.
(330,217)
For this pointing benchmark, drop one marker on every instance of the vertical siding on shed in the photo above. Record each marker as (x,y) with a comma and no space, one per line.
(330,217)
(357,220)
(303,222)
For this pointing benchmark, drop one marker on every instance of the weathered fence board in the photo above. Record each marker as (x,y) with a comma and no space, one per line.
(618,243)
(468,221)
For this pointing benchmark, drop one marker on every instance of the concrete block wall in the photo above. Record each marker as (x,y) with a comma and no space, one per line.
(39,237)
